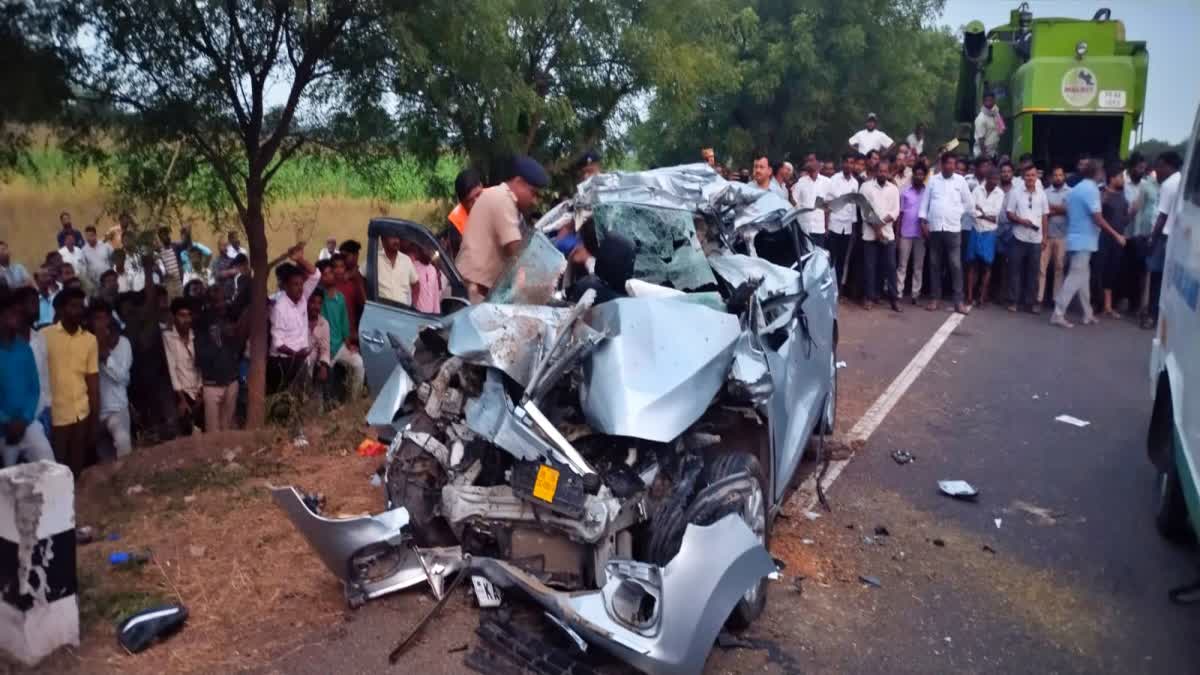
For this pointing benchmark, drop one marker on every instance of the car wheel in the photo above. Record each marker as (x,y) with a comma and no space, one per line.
(711,505)
(1172,514)
(829,417)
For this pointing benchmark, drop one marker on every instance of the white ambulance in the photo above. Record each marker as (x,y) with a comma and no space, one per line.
(1174,437)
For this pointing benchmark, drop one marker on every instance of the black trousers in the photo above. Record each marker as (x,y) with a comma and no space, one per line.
(837,244)
(879,256)
(1023,261)
(284,372)
(944,251)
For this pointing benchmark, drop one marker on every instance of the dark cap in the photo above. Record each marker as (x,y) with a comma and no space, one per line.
(589,157)
(528,168)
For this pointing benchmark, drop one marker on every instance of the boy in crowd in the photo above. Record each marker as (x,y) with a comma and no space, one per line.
(97,257)
(290,345)
(20,391)
(115,360)
(72,359)
(318,361)
(351,284)
(343,340)
(1029,212)
(219,346)
(180,345)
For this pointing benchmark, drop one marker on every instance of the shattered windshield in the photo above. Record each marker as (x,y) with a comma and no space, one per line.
(668,252)
(533,277)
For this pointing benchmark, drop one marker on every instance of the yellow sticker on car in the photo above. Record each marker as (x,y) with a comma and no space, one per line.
(546,484)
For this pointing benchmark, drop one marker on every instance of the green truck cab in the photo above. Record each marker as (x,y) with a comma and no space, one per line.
(1064,86)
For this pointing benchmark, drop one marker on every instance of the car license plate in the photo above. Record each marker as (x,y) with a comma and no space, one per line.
(546,484)
(486,593)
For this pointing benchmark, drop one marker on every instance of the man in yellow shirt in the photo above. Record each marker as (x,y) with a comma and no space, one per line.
(71,356)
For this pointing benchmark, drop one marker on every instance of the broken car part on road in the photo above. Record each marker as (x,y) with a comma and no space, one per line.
(617,459)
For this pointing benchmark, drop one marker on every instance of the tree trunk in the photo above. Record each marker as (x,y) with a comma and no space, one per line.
(256,237)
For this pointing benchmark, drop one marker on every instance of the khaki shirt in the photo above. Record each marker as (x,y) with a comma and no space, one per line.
(71,358)
(395,279)
(493,223)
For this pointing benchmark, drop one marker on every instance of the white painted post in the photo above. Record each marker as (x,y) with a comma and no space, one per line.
(38,608)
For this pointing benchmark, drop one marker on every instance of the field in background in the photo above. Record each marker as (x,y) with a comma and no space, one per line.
(315,198)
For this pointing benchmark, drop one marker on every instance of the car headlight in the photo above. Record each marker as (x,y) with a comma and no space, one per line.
(1080,49)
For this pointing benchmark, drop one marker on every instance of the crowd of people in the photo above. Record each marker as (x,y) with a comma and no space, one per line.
(991,228)
(109,340)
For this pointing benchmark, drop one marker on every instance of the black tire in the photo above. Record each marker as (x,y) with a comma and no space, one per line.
(710,506)
(1172,514)
(829,414)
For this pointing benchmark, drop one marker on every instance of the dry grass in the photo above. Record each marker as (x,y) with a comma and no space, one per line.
(220,545)
(29,215)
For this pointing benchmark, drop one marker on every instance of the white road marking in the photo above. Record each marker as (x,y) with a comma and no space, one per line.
(870,421)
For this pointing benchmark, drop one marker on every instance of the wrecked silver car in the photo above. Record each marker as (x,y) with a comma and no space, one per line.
(613,441)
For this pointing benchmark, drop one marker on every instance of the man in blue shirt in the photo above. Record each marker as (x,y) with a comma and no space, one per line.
(21,433)
(1084,221)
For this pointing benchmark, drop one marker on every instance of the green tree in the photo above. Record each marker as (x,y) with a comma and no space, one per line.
(808,73)
(195,79)
(1152,148)
(33,80)
(550,78)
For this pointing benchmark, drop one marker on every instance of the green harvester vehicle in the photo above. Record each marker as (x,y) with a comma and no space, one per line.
(1064,86)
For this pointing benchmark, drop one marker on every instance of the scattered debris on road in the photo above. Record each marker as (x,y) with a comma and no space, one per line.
(882,531)
(997,521)
(1043,515)
(902,456)
(988,549)
(940,543)
(870,580)
(1073,421)
(959,489)
(840,364)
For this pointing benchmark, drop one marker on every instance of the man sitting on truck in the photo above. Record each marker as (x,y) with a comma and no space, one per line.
(989,126)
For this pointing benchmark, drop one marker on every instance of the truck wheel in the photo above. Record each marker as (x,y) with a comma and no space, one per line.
(711,505)
(1172,515)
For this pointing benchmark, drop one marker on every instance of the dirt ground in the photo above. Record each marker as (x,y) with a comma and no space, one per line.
(218,544)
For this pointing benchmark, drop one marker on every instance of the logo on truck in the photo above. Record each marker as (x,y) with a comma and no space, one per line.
(1079,86)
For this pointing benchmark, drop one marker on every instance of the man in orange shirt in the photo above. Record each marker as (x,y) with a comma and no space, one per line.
(467,187)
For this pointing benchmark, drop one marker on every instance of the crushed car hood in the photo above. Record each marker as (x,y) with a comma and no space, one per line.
(652,378)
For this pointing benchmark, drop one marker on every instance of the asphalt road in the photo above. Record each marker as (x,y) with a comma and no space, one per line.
(1073,578)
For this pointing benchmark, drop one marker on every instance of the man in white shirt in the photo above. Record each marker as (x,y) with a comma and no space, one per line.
(805,192)
(870,138)
(879,237)
(841,219)
(1167,170)
(989,126)
(115,360)
(397,277)
(988,201)
(290,344)
(71,253)
(916,140)
(943,205)
(97,257)
(1029,212)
